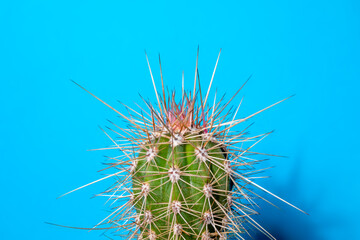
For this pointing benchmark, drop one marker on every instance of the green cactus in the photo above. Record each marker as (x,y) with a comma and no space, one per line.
(181,180)
(185,173)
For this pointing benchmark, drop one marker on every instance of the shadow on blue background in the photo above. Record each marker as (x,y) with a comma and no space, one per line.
(291,224)
(310,48)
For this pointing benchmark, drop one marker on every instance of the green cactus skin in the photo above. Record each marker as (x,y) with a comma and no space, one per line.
(180,185)
(185,172)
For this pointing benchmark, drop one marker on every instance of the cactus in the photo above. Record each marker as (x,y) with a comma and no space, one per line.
(184,172)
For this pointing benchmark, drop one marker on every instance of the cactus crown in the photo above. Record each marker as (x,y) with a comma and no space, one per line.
(184,172)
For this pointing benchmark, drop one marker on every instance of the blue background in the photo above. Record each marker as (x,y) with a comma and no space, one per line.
(310,48)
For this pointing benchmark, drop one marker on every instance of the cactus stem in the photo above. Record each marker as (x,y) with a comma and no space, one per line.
(184,172)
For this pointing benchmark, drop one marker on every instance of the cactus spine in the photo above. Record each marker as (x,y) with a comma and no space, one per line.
(184,172)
